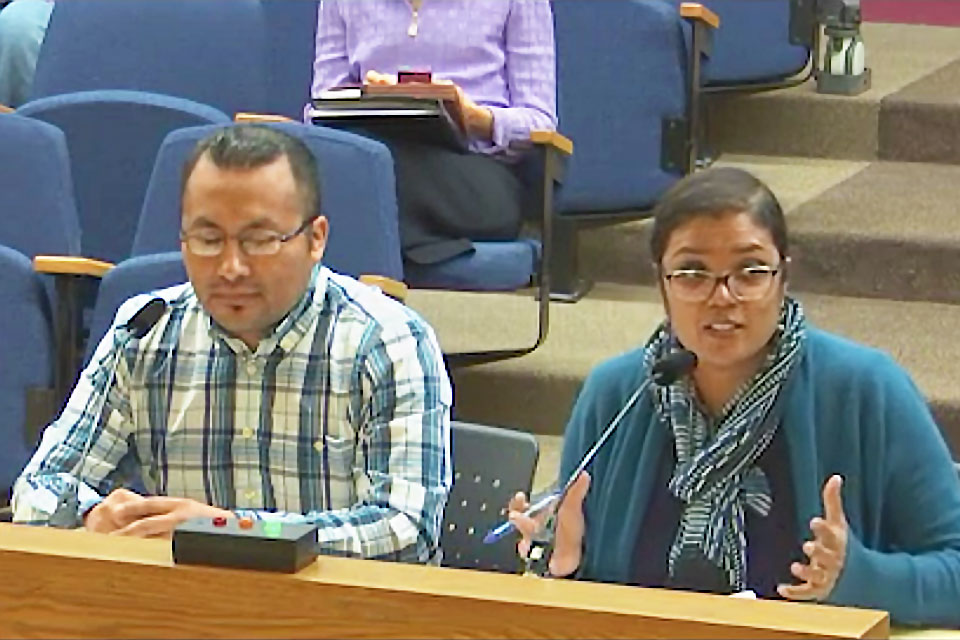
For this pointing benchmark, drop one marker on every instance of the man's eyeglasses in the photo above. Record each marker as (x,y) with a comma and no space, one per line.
(208,243)
(746,284)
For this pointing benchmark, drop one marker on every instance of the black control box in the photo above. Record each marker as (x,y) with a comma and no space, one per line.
(245,544)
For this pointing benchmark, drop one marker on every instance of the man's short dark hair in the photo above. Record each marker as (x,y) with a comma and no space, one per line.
(248,146)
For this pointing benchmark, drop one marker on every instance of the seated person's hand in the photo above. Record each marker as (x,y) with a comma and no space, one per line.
(375,77)
(478,119)
(827,551)
(127,514)
(568,544)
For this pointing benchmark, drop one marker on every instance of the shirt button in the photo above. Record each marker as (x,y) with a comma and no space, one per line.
(250,495)
(318,445)
(248,433)
(251,367)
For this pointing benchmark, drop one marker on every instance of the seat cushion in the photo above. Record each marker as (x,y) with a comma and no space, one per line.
(491,266)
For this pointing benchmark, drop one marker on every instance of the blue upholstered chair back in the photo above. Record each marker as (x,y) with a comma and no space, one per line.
(113,138)
(291,46)
(127,279)
(619,74)
(357,190)
(752,44)
(38,214)
(26,357)
(211,51)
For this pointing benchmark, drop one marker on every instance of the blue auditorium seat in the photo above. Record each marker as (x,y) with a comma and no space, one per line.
(753,44)
(113,138)
(26,353)
(127,279)
(209,51)
(291,46)
(38,214)
(358,197)
(619,75)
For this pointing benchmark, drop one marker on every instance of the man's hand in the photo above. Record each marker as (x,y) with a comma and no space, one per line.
(827,551)
(125,513)
(568,544)
(109,515)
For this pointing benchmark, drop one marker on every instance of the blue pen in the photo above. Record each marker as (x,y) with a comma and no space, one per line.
(507,527)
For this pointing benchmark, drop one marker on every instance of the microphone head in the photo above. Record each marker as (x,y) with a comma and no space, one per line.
(669,368)
(144,319)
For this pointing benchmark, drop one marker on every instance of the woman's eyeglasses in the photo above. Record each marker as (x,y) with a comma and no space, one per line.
(746,284)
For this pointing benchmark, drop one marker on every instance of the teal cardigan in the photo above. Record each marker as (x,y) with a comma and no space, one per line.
(849,410)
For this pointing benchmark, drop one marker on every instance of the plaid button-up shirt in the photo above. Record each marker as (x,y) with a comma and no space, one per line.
(339,418)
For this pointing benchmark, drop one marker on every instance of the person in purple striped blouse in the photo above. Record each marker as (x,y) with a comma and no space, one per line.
(500,53)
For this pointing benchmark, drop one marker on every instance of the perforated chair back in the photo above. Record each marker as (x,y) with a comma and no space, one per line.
(212,52)
(357,195)
(26,360)
(113,138)
(490,465)
(38,213)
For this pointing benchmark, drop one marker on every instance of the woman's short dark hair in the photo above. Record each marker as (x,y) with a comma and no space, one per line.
(714,192)
(250,146)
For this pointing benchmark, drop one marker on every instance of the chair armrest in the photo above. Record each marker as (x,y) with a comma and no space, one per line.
(694,11)
(5,109)
(71,266)
(396,290)
(554,140)
(259,117)
(73,278)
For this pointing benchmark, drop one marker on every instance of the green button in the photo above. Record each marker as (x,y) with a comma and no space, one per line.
(272,529)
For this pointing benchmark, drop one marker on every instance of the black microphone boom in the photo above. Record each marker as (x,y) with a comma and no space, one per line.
(664,371)
(65,514)
(144,319)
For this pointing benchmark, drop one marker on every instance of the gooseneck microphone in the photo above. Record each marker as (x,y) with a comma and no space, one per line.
(663,372)
(65,516)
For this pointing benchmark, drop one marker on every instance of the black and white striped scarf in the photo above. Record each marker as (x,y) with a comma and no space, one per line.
(716,474)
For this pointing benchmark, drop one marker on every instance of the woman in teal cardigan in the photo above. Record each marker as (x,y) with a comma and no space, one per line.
(789,461)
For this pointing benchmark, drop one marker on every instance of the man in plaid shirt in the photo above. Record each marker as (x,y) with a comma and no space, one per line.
(270,387)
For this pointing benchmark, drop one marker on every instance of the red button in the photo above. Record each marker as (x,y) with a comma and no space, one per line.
(220,521)
(245,522)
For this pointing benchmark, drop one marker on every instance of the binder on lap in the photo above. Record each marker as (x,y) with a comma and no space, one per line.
(427,113)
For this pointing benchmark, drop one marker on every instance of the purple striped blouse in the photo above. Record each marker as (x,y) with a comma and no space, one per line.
(500,52)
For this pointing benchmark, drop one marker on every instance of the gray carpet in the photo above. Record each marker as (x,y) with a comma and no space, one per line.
(921,123)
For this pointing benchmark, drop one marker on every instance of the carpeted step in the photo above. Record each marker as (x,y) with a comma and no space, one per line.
(921,123)
(535,392)
(881,230)
(911,59)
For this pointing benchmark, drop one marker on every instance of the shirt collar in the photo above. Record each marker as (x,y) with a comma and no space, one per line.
(291,329)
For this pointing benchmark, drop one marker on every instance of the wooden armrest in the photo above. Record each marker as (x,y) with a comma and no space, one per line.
(5,109)
(68,265)
(393,288)
(554,139)
(696,11)
(260,117)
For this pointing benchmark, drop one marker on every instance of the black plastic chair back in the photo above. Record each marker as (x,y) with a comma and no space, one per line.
(490,465)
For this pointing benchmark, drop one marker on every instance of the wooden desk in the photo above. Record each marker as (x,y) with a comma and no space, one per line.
(69,584)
